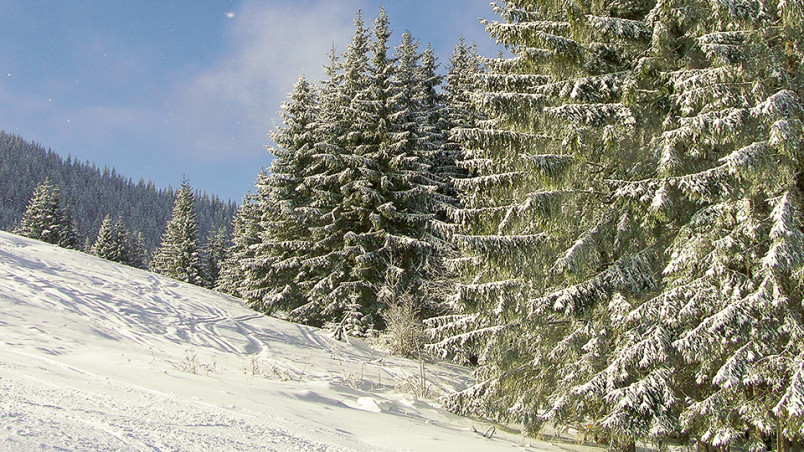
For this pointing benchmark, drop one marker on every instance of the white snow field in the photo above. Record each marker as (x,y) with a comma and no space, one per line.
(100,356)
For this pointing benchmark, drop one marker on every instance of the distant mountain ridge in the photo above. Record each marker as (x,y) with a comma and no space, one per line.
(93,193)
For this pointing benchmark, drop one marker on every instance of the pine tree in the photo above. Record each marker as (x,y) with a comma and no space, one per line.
(214,255)
(245,234)
(178,255)
(429,99)
(48,218)
(632,223)
(117,244)
(344,215)
(273,272)
(105,246)
(303,204)
(391,195)
(137,255)
(465,69)
(325,266)
(91,195)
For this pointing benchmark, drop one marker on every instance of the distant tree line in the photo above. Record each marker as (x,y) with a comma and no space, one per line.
(180,253)
(91,193)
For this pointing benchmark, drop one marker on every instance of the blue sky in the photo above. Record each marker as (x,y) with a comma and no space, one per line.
(164,89)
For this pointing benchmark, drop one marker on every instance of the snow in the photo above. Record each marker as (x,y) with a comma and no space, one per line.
(99,356)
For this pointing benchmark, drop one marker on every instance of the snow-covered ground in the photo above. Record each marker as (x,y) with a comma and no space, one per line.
(99,356)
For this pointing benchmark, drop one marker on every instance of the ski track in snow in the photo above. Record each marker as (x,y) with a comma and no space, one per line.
(99,356)
(98,418)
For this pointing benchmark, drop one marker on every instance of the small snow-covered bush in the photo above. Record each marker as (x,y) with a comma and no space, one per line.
(405,331)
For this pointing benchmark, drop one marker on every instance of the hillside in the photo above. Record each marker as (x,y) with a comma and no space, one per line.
(99,356)
(92,193)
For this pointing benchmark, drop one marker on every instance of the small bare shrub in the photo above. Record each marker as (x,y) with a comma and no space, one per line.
(405,330)
(256,368)
(418,386)
(192,364)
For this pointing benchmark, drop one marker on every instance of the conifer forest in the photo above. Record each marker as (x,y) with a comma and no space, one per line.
(606,220)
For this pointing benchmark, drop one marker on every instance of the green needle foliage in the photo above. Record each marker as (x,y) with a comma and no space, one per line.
(632,223)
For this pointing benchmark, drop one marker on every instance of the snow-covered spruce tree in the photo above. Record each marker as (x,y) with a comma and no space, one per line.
(124,244)
(538,223)
(366,154)
(326,267)
(463,73)
(432,114)
(428,175)
(728,172)
(457,112)
(137,255)
(178,254)
(636,196)
(726,328)
(317,206)
(214,255)
(336,184)
(117,244)
(245,234)
(391,194)
(48,218)
(439,155)
(272,273)
(104,246)
(343,223)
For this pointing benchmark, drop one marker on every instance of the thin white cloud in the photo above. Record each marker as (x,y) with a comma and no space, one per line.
(226,110)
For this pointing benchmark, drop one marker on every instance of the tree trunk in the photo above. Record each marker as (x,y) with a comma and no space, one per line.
(785,445)
(701,447)
(623,447)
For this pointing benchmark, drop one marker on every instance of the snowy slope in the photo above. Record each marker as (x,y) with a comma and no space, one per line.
(99,356)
